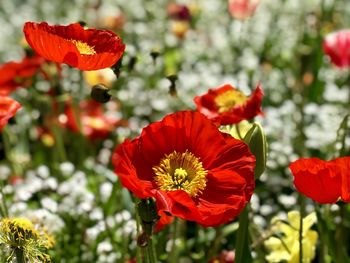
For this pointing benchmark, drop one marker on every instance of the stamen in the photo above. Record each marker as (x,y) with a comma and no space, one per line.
(83,47)
(181,171)
(229,99)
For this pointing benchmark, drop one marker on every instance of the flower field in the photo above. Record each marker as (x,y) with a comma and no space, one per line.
(175,131)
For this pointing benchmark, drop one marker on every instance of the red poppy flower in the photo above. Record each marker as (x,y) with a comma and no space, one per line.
(194,171)
(242,9)
(8,108)
(85,49)
(18,74)
(93,120)
(337,46)
(343,165)
(227,105)
(323,181)
(165,220)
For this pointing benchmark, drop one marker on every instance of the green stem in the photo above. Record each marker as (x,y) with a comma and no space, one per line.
(59,144)
(216,243)
(340,236)
(20,256)
(6,137)
(138,232)
(323,232)
(173,253)
(3,206)
(243,254)
(147,213)
(302,212)
(149,253)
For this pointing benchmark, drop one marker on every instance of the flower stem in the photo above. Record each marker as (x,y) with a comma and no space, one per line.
(3,207)
(340,236)
(324,234)
(59,144)
(173,253)
(20,255)
(243,254)
(216,242)
(148,216)
(302,212)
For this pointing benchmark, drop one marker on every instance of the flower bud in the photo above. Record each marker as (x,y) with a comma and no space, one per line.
(82,23)
(117,67)
(100,93)
(256,140)
(172,89)
(132,63)
(143,240)
(147,210)
(154,54)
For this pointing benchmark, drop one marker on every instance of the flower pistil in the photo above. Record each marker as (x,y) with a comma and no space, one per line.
(181,171)
(83,48)
(229,99)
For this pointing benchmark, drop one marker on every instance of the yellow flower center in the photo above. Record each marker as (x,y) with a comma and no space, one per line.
(17,231)
(229,99)
(181,171)
(83,48)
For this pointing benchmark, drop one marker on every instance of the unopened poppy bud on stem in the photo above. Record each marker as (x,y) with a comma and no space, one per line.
(172,89)
(132,63)
(100,93)
(82,23)
(148,214)
(143,240)
(117,67)
(256,140)
(154,54)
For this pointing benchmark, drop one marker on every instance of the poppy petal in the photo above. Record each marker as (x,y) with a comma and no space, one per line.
(344,167)
(233,112)
(85,49)
(8,108)
(317,179)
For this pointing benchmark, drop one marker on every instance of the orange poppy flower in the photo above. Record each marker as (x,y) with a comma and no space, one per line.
(194,171)
(325,182)
(227,105)
(8,108)
(18,74)
(85,49)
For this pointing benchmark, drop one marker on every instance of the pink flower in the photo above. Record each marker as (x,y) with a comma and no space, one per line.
(242,9)
(337,46)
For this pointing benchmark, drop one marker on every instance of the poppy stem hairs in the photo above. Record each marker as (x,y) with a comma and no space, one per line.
(147,212)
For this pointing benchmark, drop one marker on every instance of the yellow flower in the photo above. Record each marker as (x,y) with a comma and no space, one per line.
(102,76)
(21,234)
(180,28)
(284,245)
